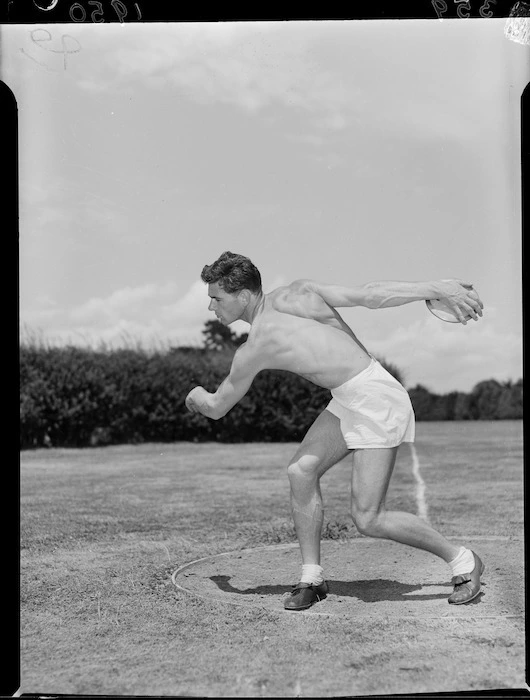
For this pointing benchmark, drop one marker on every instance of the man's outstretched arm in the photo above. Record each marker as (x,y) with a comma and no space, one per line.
(230,391)
(459,295)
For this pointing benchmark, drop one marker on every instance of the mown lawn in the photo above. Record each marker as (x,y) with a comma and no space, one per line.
(103,529)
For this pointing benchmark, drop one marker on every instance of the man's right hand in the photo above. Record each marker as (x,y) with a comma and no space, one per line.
(192,399)
(461,298)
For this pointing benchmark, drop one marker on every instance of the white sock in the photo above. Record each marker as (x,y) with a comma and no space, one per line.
(464,563)
(312,573)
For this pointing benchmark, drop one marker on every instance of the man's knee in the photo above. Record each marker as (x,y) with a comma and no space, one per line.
(304,468)
(368,522)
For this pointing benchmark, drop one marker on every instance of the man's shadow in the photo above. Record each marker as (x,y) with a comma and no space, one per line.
(369,591)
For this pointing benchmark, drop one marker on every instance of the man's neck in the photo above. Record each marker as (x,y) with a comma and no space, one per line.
(253,309)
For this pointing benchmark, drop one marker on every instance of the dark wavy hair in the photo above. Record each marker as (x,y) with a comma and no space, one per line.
(233,273)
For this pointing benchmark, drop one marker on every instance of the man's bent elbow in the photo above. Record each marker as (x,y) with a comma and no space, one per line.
(216,413)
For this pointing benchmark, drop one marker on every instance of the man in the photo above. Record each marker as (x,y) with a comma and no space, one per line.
(297,328)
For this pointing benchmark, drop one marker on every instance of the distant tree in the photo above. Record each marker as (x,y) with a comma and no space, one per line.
(450,401)
(486,397)
(510,405)
(441,407)
(422,402)
(463,409)
(217,336)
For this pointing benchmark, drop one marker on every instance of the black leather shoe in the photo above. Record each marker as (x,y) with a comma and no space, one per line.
(304,595)
(467,586)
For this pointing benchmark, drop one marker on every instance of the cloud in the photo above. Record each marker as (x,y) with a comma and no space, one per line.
(122,304)
(250,65)
(150,314)
(447,357)
(325,75)
(138,313)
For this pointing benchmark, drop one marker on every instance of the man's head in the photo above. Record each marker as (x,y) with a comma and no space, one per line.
(234,282)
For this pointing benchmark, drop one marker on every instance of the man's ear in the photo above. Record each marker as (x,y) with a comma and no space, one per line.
(244,296)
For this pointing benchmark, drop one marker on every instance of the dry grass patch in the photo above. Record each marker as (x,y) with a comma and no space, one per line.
(103,529)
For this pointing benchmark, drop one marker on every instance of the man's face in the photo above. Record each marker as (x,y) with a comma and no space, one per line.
(227,307)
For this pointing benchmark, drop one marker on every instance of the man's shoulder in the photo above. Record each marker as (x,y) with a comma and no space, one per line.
(302,284)
(300,299)
(299,286)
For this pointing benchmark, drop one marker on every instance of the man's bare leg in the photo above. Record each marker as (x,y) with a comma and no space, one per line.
(322,447)
(372,469)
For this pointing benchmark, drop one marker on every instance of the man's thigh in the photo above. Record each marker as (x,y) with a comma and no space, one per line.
(323,445)
(371,473)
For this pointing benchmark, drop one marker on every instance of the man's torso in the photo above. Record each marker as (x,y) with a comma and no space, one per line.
(297,331)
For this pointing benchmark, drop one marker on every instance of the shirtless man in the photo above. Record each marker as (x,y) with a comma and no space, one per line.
(297,328)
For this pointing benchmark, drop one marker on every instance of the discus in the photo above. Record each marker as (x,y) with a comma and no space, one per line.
(441,310)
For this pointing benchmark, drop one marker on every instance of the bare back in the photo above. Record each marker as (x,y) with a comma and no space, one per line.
(297,331)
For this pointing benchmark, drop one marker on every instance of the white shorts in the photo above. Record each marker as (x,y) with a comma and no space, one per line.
(374,409)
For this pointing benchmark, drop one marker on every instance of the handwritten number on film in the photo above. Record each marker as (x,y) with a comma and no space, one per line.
(463,8)
(40,36)
(79,14)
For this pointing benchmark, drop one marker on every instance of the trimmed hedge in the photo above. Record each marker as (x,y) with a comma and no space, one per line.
(74,397)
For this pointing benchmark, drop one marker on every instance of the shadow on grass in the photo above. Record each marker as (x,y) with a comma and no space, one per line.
(369,591)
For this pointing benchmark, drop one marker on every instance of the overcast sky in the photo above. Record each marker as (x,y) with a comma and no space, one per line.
(343,151)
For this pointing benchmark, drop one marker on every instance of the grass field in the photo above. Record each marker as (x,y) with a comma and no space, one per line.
(103,529)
